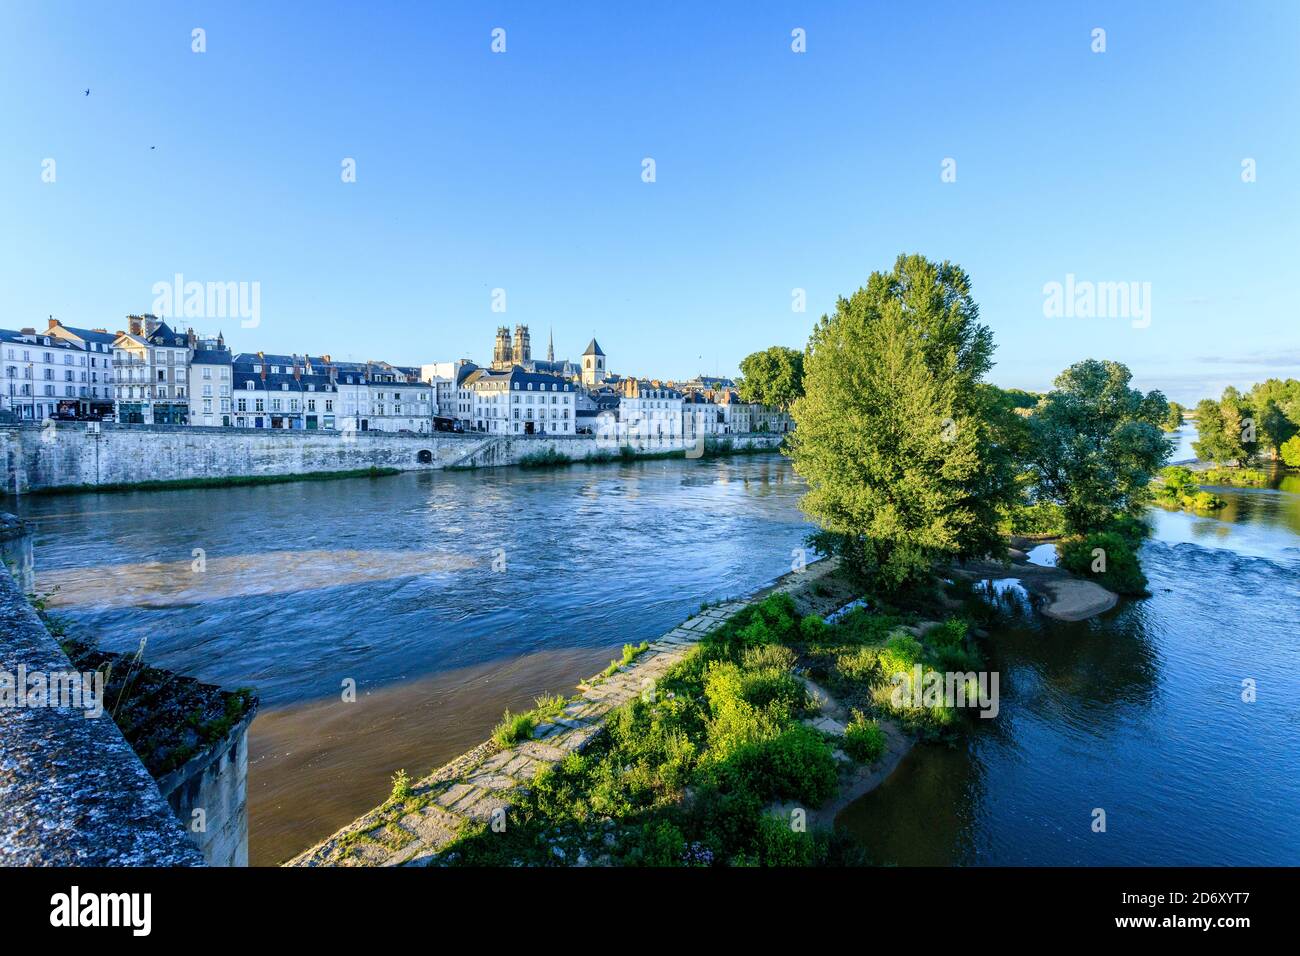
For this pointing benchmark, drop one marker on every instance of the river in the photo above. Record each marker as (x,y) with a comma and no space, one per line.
(446,596)
(390,582)
(1138,713)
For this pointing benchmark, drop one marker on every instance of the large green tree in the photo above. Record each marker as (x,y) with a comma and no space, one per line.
(1226,430)
(1095,445)
(772,377)
(893,433)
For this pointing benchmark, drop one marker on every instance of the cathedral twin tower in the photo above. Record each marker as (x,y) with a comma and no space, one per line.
(518,351)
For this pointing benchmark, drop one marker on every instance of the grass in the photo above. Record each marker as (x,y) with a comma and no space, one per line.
(233,481)
(686,776)
(630,654)
(516,728)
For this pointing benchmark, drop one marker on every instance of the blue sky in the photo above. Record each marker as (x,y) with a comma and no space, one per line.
(774,171)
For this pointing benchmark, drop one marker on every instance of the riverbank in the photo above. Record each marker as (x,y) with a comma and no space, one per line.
(734,739)
(1065,597)
(79,457)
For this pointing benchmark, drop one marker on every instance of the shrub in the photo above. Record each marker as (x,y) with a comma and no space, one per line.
(776,844)
(1250,477)
(864,739)
(513,728)
(1117,563)
(812,629)
(796,764)
(662,844)
(862,626)
(901,653)
(1290,452)
(1041,518)
(544,459)
(401,787)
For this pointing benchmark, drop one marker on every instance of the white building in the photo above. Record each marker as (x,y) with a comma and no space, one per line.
(97,399)
(41,376)
(286,392)
(516,402)
(593,365)
(211,383)
(151,373)
(649,409)
(700,416)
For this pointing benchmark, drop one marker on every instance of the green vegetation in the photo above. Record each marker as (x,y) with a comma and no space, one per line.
(894,435)
(772,377)
(1240,428)
(864,738)
(401,787)
(515,728)
(714,447)
(1179,488)
(1244,477)
(1042,519)
(1107,558)
(1173,417)
(547,458)
(690,775)
(630,654)
(234,481)
(1290,452)
(1096,444)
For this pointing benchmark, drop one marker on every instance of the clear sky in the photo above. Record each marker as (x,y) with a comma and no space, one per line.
(774,170)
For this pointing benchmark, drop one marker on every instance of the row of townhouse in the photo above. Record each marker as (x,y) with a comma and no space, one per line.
(59,373)
(310,393)
(661,410)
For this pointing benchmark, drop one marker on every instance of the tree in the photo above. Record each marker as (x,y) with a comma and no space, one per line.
(892,433)
(1096,444)
(1226,429)
(772,377)
(1173,417)
(1290,452)
(1277,404)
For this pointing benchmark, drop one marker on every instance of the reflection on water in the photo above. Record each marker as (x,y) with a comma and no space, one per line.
(1138,712)
(391,583)
(188,583)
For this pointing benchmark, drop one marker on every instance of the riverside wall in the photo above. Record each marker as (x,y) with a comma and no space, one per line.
(65,455)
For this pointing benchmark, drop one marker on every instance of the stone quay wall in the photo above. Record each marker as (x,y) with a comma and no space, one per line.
(38,458)
(72,791)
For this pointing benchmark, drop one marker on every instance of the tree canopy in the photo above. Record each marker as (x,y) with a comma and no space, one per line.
(773,376)
(893,432)
(1096,443)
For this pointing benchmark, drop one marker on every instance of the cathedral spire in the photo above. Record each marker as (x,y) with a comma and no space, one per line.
(550,346)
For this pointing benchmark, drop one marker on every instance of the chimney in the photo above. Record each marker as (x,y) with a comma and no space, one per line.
(27,331)
(54,323)
(133,325)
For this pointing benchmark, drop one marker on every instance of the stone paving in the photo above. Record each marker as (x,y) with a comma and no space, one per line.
(482,782)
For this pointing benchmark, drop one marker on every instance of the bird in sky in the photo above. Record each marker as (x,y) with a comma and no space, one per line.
(87,92)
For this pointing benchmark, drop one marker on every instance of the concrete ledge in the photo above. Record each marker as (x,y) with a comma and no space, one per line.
(72,791)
